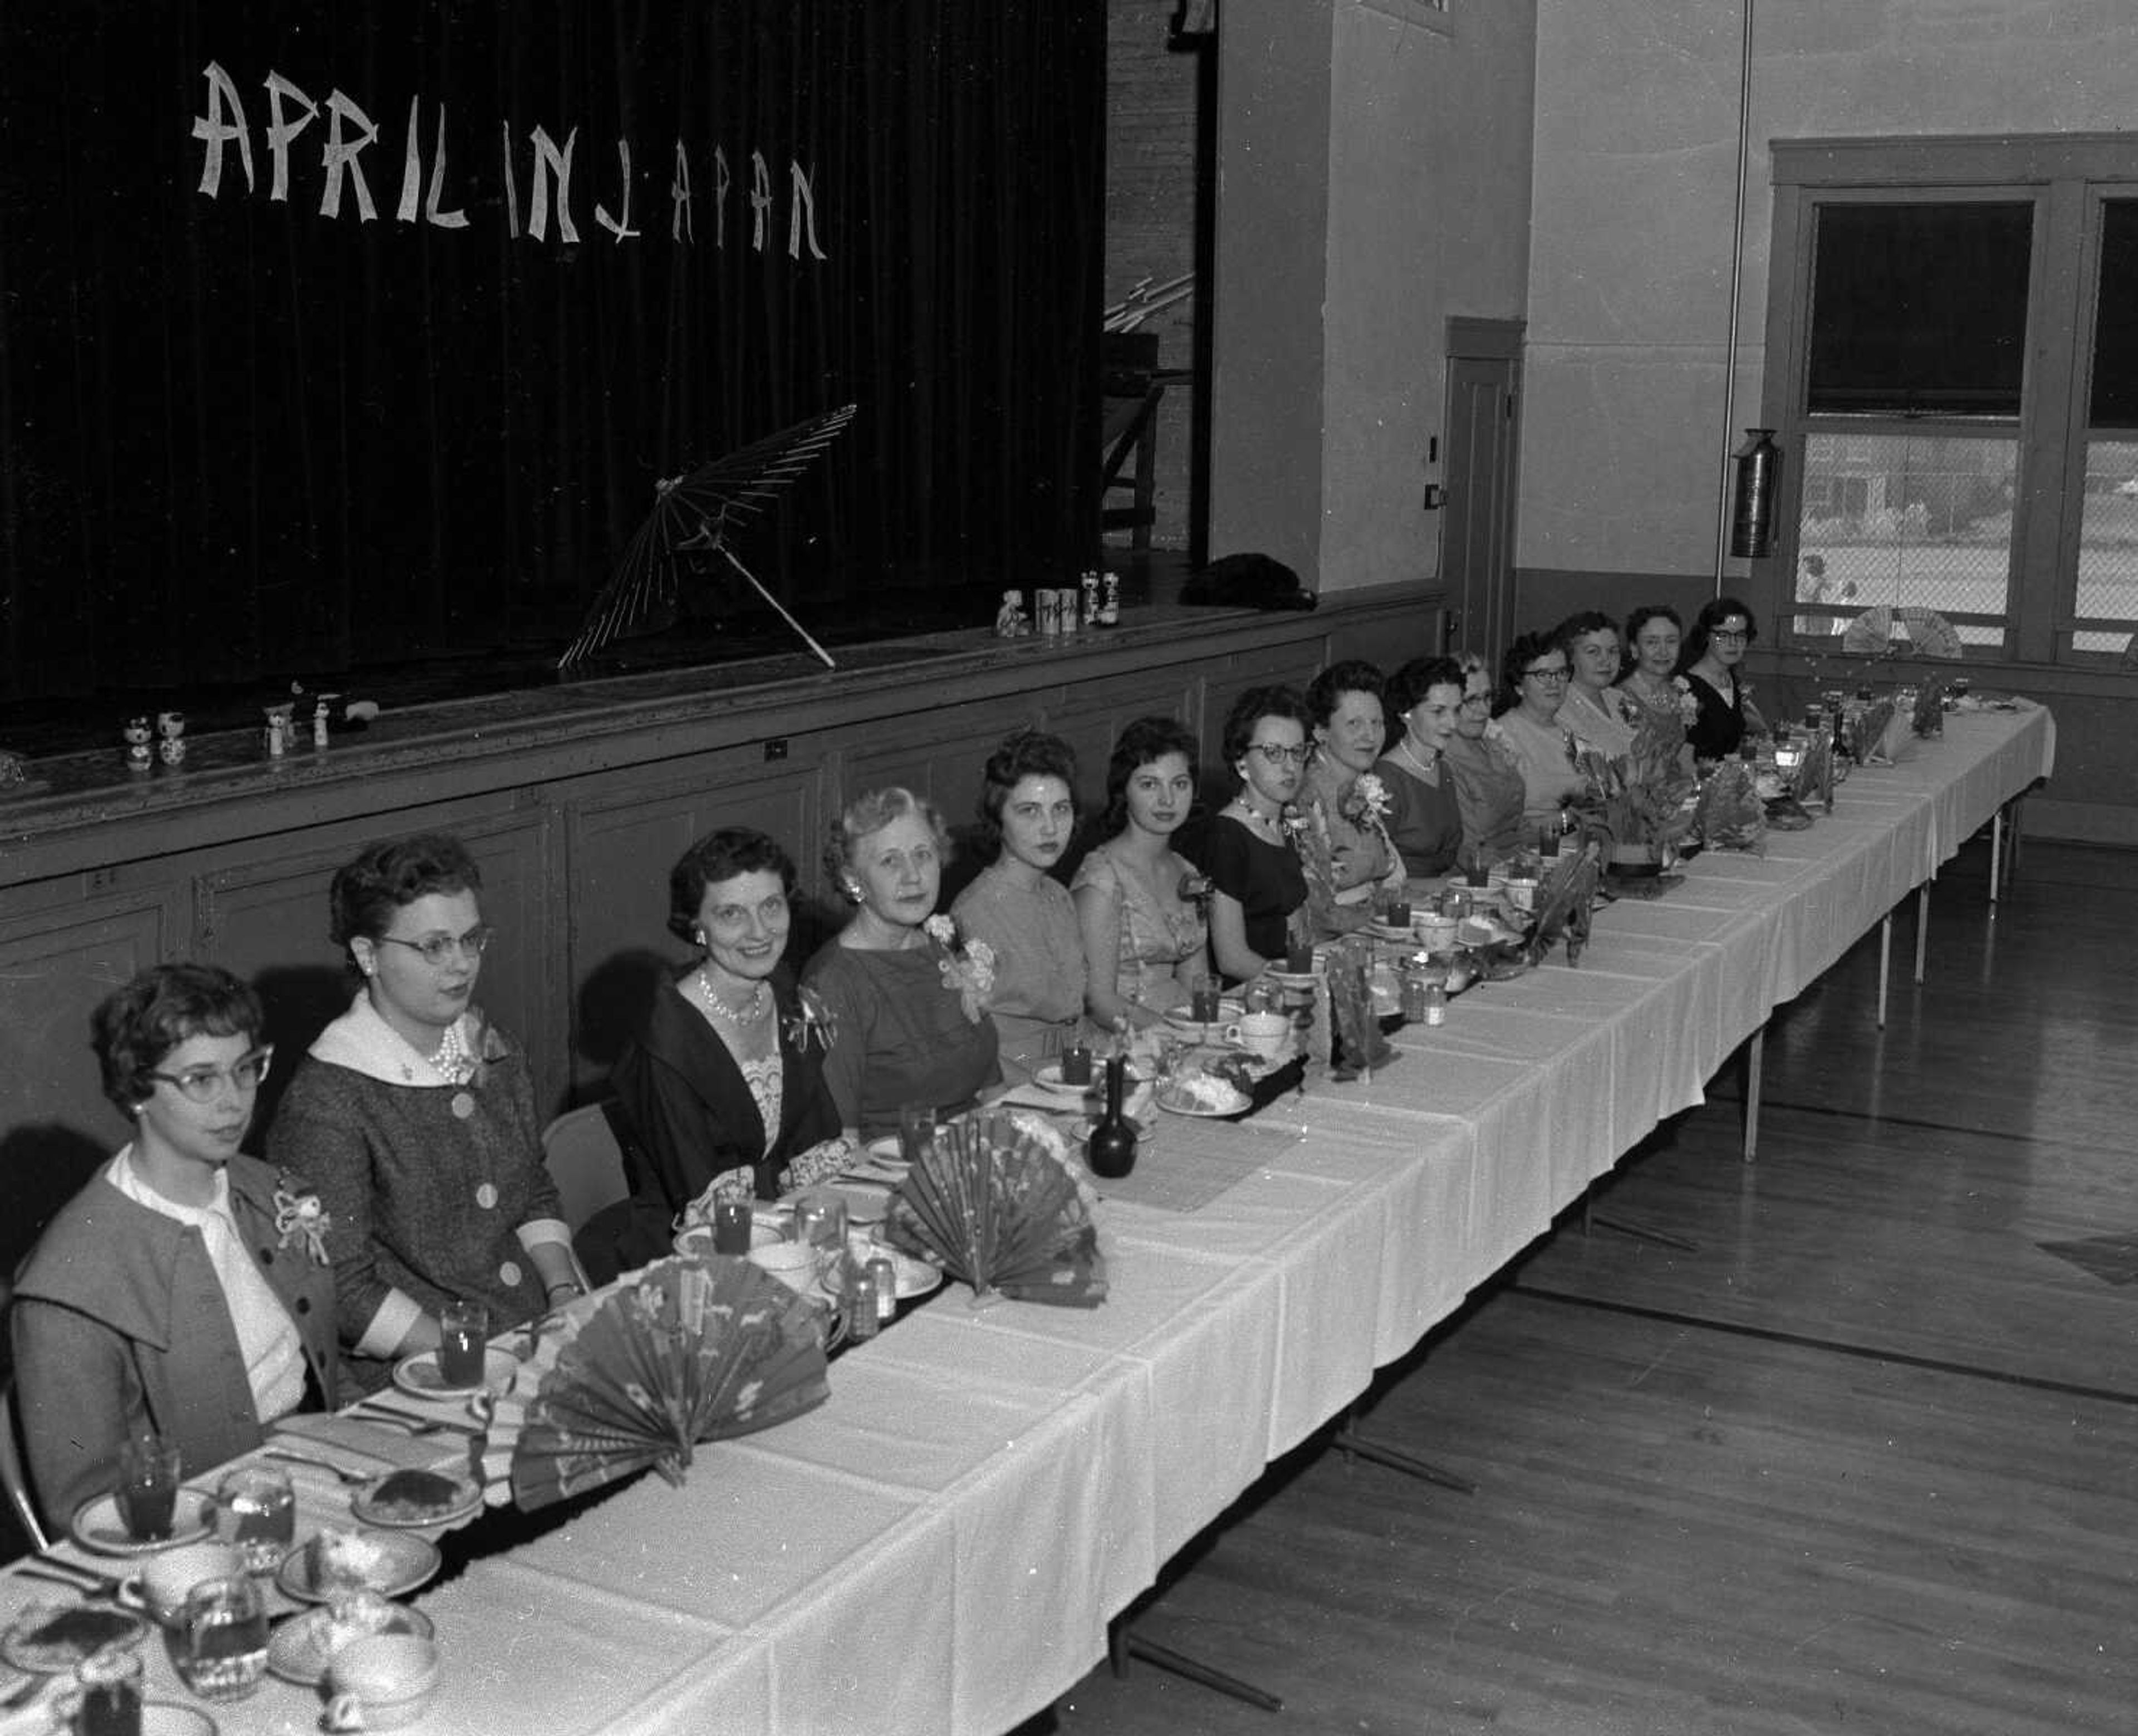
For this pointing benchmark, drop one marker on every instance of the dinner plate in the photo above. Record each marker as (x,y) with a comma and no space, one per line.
(419,1374)
(406,1560)
(1292,978)
(1187,1107)
(1048,1078)
(1388,931)
(97,1525)
(396,1515)
(101,1626)
(910,1277)
(1183,1018)
(867,1203)
(297,1649)
(170,1718)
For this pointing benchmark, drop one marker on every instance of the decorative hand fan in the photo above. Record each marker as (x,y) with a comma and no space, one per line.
(1925,631)
(690,1350)
(1730,815)
(992,1208)
(1870,634)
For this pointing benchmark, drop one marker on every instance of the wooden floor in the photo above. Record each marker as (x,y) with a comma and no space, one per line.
(1867,1460)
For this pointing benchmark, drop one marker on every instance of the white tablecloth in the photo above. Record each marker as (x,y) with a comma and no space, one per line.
(940,1546)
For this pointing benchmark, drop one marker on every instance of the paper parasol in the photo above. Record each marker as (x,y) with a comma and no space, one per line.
(695,517)
(685,1351)
(1928,633)
(992,1208)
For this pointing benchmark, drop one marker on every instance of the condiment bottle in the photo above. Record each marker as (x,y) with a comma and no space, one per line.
(863,1316)
(1111,1149)
(886,1285)
(1436,1004)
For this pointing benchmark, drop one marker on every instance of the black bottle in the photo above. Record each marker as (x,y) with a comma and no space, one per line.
(1111,1149)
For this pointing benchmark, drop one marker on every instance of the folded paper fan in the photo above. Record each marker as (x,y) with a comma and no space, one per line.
(1925,631)
(687,1350)
(1931,634)
(991,1208)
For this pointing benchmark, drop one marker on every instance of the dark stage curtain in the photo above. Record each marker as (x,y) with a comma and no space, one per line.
(246,441)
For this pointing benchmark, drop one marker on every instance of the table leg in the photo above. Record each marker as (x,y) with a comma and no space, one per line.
(1996,851)
(1122,1644)
(1922,925)
(1349,1441)
(1885,962)
(1755,1061)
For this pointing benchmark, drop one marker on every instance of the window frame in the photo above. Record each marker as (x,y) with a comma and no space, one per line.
(2066,177)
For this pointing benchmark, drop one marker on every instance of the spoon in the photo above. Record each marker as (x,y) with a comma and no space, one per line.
(355,1479)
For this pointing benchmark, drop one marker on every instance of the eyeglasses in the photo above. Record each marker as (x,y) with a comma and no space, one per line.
(1476,702)
(1560,674)
(1729,634)
(201,1084)
(438,948)
(1276,756)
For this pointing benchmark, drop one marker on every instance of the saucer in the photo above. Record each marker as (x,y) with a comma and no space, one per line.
(419,1374)
(97,1525)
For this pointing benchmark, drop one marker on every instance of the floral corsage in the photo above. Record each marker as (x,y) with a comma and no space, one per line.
(1366,804)
(301,1220)
(967,966)
(812,1022)
(1688,707)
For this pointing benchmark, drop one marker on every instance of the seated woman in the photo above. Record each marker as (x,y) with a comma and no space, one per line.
(1713,650)
(1489,793)
(183,1291)
(1258,890)
(907,1006)
(1593,709)
(416,1119)
(1425,817)
(1653,683)
(1537,670)
(723,1083)
(1144,942)
(1344,841)
(1028,817)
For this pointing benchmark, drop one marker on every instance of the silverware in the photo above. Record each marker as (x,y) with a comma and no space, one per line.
(61,1572)
(355,1479)
(413,1425)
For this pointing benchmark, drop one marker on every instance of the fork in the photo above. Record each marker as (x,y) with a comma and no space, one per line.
(355,1479)
(416,1426)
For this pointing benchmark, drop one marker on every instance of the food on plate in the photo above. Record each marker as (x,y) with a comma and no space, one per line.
(1209,1091)
(48,1639)
(352,1615)
(345,1560)
(406,1496)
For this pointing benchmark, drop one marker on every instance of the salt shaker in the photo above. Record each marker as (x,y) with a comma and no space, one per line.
(864,1314)
(886,1285)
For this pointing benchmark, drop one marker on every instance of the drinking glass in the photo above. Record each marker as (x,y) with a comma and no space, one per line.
(147,1492)
(221,1649)
(262,1507)
(820,1219)
(110,1694)
(916,1130)
(463,1336)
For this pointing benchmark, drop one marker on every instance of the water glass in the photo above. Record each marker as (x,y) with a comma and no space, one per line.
(110,1703)
(1203,1004)
(916,1130)
(820,1219)
(463,1337)
(147,1492)
(221,1649)
(731,1227)
(260,1509)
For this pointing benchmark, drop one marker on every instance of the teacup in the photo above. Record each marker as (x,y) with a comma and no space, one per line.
(389,1679)
(793,1263)
(158,1591)
(1264,1033)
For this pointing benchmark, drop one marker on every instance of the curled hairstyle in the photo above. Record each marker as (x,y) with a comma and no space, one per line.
(1144,742)
(138,1026)
(717,856)
(1523,652)
(1640,618)
(1712,614)
(1024,754)
(1579,626)
(389,876)
(1251,708)
(1411,683)
(1326,692)
(865,816)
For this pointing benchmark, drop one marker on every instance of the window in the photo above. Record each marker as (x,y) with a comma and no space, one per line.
(1953,366)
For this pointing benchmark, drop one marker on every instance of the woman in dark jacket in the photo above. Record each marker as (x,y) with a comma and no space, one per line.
(723,1085)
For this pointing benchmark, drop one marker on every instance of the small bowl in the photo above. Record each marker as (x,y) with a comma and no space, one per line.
(697,1241)
(391,1676)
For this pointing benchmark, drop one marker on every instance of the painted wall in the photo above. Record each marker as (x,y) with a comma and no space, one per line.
(1623,444)
(1348,231)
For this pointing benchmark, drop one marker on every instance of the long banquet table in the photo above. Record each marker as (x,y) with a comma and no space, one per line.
(941,1545)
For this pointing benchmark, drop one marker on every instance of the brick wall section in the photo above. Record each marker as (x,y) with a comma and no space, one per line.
(1150,217)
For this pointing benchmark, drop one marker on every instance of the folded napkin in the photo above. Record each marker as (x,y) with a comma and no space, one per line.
(362,1446)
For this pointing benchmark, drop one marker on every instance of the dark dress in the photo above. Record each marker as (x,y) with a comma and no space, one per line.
(899,1035)
(1265,878)
(1716,732)
(1425,820)
(689,1116)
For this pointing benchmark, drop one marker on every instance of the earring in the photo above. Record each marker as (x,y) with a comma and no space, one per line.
(699,938)
(853,890)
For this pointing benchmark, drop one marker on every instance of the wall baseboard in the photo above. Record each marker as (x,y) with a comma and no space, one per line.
(2080,822)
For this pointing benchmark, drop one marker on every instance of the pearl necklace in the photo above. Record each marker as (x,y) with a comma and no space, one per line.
(1427,768)
(451,1058)
(749,1012)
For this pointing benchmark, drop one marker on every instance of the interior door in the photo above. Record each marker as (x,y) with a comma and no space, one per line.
(1477,526)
